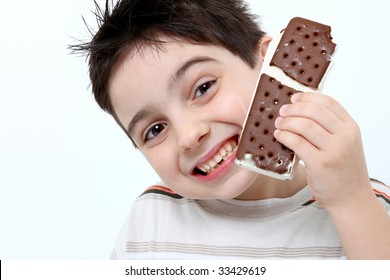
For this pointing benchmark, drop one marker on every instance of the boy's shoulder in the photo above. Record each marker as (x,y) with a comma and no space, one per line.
(159,200)
(382,191)
(160,189)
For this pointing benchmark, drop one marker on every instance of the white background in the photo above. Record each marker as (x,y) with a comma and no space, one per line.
(68,174)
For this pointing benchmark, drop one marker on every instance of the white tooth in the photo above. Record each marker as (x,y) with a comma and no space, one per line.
(212,163)
(218,158)
(222,152)
(202,168)
(206,166)
(229,147)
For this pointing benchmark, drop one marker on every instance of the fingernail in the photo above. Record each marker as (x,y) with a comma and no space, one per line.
(283,109)
(278,121)
(295,97)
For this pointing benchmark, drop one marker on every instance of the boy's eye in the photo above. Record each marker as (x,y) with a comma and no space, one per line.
(203,88)
(154,131)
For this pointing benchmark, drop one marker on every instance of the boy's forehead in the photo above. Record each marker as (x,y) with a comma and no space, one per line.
(156,61)
(134,64)
(141,71)
(154,53)
(144,55)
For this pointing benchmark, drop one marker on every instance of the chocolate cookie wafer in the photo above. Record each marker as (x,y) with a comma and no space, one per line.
(304,51)
(258,148)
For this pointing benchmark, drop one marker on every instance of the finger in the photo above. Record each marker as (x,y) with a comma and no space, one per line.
(324,100)
(303,148)
(306,128)
(313,111)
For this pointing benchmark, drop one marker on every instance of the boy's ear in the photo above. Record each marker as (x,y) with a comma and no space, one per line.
(263,46)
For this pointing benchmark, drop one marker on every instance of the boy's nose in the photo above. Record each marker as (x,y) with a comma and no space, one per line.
(191,135)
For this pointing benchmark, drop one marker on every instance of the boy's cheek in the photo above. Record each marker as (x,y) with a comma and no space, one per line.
(237,108)
(163,161)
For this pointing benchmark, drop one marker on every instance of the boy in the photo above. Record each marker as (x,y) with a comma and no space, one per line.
(177,76)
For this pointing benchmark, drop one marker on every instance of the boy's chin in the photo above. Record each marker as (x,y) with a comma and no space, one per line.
(233,187)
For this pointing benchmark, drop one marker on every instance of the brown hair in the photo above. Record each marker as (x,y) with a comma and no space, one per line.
(135,23)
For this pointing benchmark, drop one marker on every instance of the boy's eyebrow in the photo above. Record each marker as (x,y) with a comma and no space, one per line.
(185,66)
(137,117)
(175,77)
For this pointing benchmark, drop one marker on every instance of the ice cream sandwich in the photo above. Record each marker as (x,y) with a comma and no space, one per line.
(297,60)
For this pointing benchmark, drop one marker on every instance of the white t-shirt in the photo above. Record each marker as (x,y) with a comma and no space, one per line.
(164,225)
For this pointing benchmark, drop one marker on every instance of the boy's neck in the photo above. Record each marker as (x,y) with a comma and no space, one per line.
(267,187)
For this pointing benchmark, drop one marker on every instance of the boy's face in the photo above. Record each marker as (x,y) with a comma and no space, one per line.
(184,106)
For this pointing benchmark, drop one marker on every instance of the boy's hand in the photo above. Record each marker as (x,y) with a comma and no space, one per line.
(327,139)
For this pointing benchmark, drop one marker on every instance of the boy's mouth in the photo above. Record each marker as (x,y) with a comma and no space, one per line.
(223,153)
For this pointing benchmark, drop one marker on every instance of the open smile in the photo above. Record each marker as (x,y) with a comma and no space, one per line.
(217,163)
